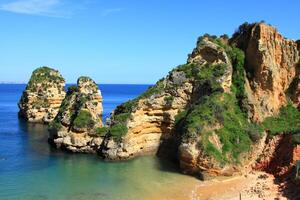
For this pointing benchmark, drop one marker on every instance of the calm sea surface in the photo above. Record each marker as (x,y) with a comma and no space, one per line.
(31,170)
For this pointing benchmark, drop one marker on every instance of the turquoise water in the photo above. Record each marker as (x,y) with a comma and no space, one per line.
(31,170)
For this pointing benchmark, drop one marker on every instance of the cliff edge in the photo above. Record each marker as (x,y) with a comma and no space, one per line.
(216,113)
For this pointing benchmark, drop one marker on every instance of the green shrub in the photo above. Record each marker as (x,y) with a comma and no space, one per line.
(254,131)
(102,131)
(236,133)
(180,117)
(72,89)
(84,78)
(237,57)
(117,131)
(84,120)
(42,75)
(121,118)
(288,121)
(83,99)
(54,125)
(156,89)
(190,70)
(211,38)
(38,103)
(130,105)
(213,151)
(169,100)
(243,29)
(209,74)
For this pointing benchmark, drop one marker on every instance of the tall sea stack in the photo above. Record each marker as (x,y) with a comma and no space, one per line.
(43,96)
(77,126)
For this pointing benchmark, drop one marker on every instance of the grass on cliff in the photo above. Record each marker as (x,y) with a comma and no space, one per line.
(221,114)
(55,125)
(42,76)
(102,131)
(237,58)
(84,120)
(118,129)
(40,103)
(123,111)
(204,75)
(286,122)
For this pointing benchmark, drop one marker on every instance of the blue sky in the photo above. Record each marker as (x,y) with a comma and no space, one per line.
(121,41)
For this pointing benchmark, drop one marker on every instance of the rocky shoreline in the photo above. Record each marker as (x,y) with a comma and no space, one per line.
(233,107)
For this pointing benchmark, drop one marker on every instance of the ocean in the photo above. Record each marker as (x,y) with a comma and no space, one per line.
(30,169)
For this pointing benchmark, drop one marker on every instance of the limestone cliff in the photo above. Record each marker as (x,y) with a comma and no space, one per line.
(209,112)
(43,95)
(77,124)
(271,67)
(148,121)
(214,115)
(267,81)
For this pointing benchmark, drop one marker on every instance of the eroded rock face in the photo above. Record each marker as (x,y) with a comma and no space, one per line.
(150,122)
(271,64)
(79,117)
(42,98)
(208,52)
(198,113)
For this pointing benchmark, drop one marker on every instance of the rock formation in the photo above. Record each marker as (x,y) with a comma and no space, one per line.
(209,112)
(77,126)
(215,114)
(43,95)
(149,119)
(271,67)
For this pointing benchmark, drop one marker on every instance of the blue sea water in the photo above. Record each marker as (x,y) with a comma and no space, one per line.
(30,169)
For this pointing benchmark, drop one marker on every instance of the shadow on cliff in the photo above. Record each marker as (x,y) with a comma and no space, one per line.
(168,150)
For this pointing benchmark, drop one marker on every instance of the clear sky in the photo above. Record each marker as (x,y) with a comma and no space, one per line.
(122,41)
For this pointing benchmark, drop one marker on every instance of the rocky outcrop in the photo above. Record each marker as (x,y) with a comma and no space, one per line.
(212,114)
(210,53)
(208,109)
(150,118)
(43,95)
(77,126)
(271,67)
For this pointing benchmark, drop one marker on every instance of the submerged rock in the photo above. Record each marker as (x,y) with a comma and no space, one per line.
(77,124)
(43,95)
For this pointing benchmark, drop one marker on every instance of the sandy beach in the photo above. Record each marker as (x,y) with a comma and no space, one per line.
(255,185)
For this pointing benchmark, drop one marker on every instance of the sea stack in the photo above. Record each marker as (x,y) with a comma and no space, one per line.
(78,124)
(43,96)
